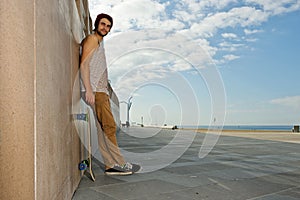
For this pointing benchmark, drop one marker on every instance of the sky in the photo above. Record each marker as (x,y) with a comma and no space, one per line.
(204,62)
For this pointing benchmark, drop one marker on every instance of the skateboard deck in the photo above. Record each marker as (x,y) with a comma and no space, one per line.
(86,165)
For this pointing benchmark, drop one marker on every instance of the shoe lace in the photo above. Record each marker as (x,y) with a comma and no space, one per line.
(127,166)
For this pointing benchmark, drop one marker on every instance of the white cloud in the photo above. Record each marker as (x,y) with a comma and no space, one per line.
(230,47)
(204,6)
(229,35)
(250,32)
(251,39)
(184,16)
(291,101)
(183,28)
(104,7)
(230,57)
(242,16)
(276,7)
(130,13)
(137,13)
(201,20)
(164,48)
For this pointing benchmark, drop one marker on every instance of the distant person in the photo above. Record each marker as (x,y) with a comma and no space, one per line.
(94,79)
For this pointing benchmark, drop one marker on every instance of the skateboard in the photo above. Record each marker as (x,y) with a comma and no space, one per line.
(86,165)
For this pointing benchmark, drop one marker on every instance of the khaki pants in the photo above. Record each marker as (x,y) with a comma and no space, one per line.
(106,128)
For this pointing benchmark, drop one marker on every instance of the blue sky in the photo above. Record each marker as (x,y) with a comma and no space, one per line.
(202,62)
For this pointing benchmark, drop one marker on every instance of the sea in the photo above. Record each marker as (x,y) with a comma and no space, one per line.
(247,127)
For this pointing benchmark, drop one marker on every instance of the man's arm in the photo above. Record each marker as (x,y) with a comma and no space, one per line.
(89,44)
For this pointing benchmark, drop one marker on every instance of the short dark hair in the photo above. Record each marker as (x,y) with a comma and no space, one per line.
(100,16)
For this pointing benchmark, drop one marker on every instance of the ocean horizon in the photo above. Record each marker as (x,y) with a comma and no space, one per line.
(245,127)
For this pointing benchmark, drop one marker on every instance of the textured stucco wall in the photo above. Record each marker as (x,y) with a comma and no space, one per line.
(16,100)
(39,145)
(57,61)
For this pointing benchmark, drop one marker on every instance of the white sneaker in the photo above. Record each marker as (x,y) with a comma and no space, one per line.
(118,170)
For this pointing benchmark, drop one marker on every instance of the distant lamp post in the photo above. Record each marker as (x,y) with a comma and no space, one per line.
(129,103)
(142,121)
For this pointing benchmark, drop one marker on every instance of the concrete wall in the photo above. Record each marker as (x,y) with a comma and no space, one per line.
(16,100)
(39,145)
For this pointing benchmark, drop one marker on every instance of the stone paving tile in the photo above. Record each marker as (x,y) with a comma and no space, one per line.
(237,168)
(139,189)
(232,174)
(276,197)
(90,194)
(177,195)
(194,169)
(231,190)
(294,193)
(290,178)
(101,180)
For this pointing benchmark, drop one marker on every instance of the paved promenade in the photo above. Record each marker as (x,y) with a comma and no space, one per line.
(241,165)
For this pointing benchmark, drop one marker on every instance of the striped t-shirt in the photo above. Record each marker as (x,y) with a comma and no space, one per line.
(98,70)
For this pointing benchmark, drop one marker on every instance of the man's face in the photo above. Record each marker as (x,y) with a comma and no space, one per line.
(103,27)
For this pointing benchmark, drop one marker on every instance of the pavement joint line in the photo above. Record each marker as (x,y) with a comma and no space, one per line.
(265,195)
(219,184)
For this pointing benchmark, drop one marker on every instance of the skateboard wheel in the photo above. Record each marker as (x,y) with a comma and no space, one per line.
(82,166)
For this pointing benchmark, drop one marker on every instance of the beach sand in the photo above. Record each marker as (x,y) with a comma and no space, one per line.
(283,136)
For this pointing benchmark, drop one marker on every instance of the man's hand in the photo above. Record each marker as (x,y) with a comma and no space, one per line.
(90,97)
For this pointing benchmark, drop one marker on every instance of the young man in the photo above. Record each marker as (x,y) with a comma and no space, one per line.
(94,81)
